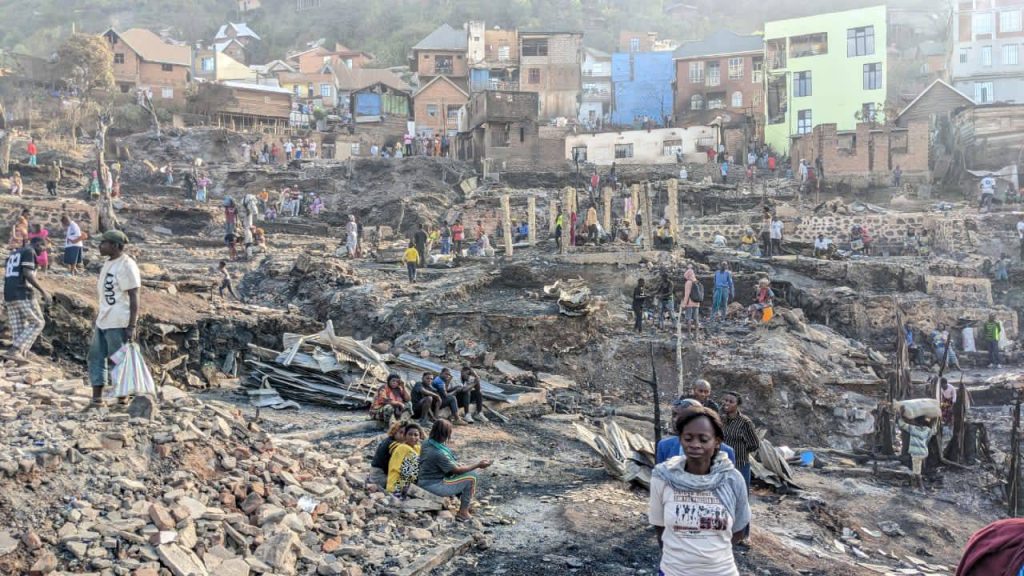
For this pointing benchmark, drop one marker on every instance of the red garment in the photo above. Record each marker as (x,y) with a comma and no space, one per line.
(995,550)
(32,149)
(771,162)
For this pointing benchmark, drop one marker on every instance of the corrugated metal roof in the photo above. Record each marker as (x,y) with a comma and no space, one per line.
(444,38)
(241,30)
(720,42)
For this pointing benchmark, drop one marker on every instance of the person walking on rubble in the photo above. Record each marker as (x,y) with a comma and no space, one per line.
(920,430)
(671,447)
(993,332)
(725,290)
(940,342)
(411,259)
(458,235)
(693,295)
(225,281)
(988,192)
(560,226)
(639,296)
(118,291)
(741,435)
(702,393)
(23,313)
(73,244)
(53,178)
(446,238)
(351,236)
(420,239)
(666,299)
(775,234)
(698,502)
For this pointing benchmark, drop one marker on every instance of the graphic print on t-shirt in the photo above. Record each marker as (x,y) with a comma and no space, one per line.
(696,512)
(108,289)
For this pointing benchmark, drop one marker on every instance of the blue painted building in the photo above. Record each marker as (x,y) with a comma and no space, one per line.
(642,86)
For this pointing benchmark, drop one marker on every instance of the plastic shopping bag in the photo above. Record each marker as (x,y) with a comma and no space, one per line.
(130,376)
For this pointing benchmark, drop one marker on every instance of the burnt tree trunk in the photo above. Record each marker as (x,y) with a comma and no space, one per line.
(104,203)
(5,142)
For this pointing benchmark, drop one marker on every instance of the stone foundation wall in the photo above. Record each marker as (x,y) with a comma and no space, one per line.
(47,213)
(882,227)
(960,291)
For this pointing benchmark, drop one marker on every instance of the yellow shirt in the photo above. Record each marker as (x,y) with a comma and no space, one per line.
(746,239)
(403,467)
(412,255)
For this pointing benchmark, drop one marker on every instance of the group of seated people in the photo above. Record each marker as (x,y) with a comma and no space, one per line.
(408,455)
(428,397)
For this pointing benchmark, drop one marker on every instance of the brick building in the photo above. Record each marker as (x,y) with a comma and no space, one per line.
(436,106)
(724,71)
(142,60)
(550,64)
(867,155)
(493,56)
(442,53)
(501,133)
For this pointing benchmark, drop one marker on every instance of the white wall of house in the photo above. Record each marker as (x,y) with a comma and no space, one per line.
(642,147)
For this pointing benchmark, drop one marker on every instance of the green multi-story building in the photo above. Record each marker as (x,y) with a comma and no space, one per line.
(824,69)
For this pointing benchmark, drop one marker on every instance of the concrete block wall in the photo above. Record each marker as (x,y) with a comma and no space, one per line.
(961,291)
(882,227)
(48,214)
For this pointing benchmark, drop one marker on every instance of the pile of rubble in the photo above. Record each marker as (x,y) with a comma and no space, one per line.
(189,488)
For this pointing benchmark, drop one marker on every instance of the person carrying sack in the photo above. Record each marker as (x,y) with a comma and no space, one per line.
(118,292)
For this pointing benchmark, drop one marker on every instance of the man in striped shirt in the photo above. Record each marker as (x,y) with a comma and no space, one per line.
(740,434)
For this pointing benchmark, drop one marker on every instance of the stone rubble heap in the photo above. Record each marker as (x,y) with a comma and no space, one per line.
(187,488)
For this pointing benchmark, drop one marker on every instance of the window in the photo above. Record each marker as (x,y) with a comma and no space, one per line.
(295,89)
(801,84)
(986,55)
(696,102)
(1009,21)
(860,41)
(981,23)
(867,112)
(453,112)
(963,55)
(579,153)
(803,122)
(119,58)
(325,90)
(1010,54)
(167,93)
(634,44)
(716,101)
(443,65)
(124,88)
(873,76)
(714,74)
(535,47)
(671,147)
(623,151)
(696,72)
(983,93)
(534,76)
(166,67)
(737,99)
(432,110)
(808,45)
(206,64)
(757,63)
(735,68)
(504,53)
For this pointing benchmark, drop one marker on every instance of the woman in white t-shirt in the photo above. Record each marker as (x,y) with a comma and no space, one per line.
(698,501)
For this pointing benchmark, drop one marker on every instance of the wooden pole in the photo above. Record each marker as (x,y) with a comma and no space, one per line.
(1013,495)
(566,211)
(552,215)
(607,220)
(506,218)
(653,383)
(531,220)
